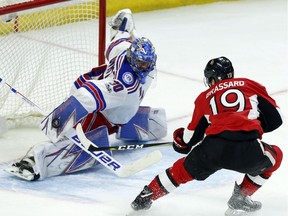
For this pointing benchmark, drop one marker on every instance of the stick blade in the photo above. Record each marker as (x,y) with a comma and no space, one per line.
(235,212)
(141,164)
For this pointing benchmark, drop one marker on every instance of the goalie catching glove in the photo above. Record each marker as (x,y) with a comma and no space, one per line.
(123,22)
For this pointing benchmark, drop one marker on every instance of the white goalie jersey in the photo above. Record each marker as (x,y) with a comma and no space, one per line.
(117,89)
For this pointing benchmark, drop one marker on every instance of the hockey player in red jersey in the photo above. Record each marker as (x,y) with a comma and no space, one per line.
(225,132)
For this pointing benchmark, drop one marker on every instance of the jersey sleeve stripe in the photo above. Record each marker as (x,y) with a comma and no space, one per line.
(98,71)
(118,64)
(134,87)
(97,94)
(80,81)
(115,43)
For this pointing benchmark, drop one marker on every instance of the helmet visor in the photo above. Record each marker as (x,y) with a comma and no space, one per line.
(143,65)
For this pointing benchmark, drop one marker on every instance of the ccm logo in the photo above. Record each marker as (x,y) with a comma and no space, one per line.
(128,147)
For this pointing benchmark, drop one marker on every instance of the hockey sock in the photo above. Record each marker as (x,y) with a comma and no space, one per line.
(157,188)
(165,182)
(248,186)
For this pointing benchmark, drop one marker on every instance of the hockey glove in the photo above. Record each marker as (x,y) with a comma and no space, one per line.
(123,22)
(178,144)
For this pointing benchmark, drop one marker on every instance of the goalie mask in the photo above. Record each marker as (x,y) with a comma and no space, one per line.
(218,69)
(142,58)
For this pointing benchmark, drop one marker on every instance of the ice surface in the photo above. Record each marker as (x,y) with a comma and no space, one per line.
(253,34)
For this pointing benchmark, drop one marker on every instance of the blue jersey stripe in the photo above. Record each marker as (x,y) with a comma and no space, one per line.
(97,94)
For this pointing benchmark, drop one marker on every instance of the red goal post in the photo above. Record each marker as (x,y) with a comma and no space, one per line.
(44,46)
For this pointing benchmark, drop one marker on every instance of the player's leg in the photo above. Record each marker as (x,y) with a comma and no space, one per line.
(51,159)
(161,185)
(36,162)
(268,163)
(193,166)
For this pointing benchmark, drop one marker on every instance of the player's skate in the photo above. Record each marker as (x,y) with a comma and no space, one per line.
(24,169)
(240,204)
(143,200)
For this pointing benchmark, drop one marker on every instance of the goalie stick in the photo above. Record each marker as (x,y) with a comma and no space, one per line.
(101,156)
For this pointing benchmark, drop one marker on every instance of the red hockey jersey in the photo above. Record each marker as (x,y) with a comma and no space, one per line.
(237,104)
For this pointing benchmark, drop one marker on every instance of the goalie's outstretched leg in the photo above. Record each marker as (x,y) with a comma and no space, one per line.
(49,159)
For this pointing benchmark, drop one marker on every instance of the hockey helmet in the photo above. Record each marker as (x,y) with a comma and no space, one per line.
(142,58)
(218,69)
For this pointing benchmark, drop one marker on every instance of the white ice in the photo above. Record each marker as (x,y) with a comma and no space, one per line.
(253,34)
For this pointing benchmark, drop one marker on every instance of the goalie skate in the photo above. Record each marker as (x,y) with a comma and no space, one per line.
(23,169)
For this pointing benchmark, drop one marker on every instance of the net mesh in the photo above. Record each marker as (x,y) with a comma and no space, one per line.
(43,50)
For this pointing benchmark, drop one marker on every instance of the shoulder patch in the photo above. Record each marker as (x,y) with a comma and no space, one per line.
(128,78)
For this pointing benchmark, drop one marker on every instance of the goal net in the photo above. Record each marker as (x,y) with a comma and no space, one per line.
(44,46)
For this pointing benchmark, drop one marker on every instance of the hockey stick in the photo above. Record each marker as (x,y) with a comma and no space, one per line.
(101,156)
(128,146)
(111,163)
(21,96)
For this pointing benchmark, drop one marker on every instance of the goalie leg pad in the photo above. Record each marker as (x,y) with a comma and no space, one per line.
(148,124)
(99,136)
(64,117)
(65,157)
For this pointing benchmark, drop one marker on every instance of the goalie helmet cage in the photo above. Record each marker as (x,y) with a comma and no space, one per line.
(45,46)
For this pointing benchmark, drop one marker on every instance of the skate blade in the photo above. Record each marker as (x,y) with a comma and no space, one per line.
(15,172)
(138,213)
(236,212)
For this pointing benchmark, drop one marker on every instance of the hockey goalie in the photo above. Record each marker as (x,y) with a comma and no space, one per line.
(105,101)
